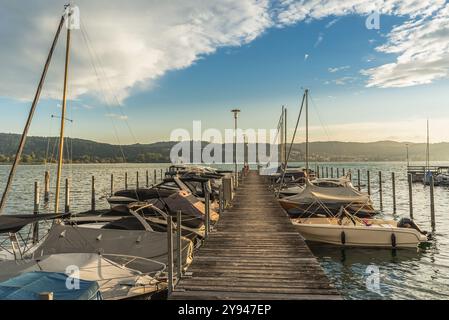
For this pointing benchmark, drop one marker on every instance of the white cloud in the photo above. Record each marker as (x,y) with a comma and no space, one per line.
(306,56)
(344,80)
(423,49)
(319,40)
(139,41)
(331,23)
(336,69)
(376,131)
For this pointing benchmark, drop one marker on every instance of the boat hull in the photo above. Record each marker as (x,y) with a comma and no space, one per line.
(377,237)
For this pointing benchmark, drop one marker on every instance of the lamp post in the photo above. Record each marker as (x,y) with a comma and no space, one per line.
(235,112)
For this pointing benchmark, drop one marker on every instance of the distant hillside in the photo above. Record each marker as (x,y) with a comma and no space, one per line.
(85,151)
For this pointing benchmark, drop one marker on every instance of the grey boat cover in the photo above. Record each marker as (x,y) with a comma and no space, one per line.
(13,223)
(133,243)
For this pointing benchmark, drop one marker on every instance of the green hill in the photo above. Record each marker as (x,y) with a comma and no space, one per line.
(38,149)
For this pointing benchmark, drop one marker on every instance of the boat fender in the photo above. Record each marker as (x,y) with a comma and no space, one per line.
(393,240)
(343,237)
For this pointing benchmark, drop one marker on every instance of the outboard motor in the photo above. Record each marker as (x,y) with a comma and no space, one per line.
(409,223)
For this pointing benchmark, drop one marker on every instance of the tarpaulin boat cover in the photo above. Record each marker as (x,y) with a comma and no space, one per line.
(340,194)
(139,243)
(13,223)
(27,286)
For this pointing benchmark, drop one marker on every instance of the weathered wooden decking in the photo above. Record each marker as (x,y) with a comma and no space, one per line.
(254,253)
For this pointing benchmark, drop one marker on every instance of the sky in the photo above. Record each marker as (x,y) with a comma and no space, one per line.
(140,69)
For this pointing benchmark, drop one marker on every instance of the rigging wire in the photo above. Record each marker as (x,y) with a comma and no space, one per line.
(325,129)
(291,144)
(106,100)
(108,83)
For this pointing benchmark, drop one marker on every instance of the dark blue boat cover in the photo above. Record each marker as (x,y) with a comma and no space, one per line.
(27,286)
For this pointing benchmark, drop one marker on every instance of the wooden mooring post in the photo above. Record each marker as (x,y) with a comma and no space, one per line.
(368,181)
(220,199)
(179,245)
(410,194)
(338,172)
(47,186)
(432,204)
(112,184)
(380,191)
(332,172)
(207,208)
(67,197)
(92,203)
(147,178)
(343,170)
(393,188)
(36,212)
(154,177)
(126,180)
(162,175)
(358,180)
(137,179)
(170,254)
(327,172)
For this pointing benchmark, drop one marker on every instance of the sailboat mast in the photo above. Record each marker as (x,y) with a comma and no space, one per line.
(281,133)
(285,138)
(427,149)
(61,134)
(307,132)
(30,118)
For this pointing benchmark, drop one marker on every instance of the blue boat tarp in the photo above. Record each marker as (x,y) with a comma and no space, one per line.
(28,286)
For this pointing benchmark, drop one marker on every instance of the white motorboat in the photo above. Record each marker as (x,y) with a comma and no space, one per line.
(351,231)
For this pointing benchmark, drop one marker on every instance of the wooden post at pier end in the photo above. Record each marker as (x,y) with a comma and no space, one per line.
(67,197)
(432,203)
(393,187)
(170,254)
(47,186)
(92,203)
(410,194)
(380,191)
(137,179)
(36,212)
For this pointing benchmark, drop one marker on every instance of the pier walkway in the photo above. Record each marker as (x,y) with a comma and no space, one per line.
(254,253)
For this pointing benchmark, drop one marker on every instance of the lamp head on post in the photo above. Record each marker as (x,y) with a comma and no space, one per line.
(236,112)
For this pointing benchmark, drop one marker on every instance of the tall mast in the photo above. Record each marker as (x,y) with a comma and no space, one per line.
(427,149)
(307,132)
(30,118)
(61,134)
(285,138)
(281,133)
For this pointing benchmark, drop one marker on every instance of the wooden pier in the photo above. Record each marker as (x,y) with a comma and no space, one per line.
(254,253)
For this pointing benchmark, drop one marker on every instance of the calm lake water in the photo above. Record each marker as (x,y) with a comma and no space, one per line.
(403,274)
